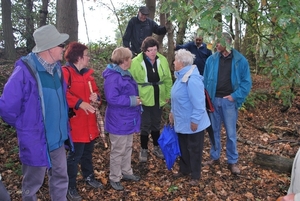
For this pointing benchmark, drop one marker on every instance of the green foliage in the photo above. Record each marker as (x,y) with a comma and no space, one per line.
(254,98)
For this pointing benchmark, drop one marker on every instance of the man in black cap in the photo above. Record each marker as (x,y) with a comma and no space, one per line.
(139,28)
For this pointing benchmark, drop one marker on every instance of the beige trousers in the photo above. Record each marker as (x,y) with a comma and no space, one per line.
(120,156)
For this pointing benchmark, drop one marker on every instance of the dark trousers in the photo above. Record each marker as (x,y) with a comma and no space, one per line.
(151,120)
(191,147)
(4,196)
(82,155)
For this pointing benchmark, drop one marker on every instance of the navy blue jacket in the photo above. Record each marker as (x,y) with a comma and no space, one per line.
(137,31)
(201,53)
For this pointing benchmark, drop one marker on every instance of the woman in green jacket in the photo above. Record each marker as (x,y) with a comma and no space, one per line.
(151,71)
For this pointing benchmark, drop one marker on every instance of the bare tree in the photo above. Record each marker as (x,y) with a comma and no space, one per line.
(29,25)
(9,46)
(44,12)
(66,18)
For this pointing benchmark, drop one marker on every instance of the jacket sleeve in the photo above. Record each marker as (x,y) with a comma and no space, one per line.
(183,46)
(159,30)
(113,93)
(243,85)
(11,100)
(128,33)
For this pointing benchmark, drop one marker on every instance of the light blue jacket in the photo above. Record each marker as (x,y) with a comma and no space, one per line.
(188,102)
(240,76)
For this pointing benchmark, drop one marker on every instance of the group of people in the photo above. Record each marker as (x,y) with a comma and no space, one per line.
(137,84)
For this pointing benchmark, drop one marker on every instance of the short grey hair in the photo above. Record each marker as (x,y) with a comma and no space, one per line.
(227,37)
(184,56)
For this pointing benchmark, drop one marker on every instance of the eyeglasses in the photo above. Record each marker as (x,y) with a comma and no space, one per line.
(152,50)
(63,45)
(87,55)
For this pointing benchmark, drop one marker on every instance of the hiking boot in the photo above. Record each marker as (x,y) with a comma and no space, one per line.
(130,177)
(90,180)
(116,185)
(157,152)
(73,195)
(179,175)
(143,155)
(234,168)
(194,182)
(211,163)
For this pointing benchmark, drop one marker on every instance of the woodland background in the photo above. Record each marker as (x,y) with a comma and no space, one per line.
(267,32)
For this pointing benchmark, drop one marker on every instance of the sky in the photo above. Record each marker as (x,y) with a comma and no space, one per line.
(98,26)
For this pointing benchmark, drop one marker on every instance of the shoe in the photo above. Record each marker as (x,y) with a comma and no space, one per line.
(90,180)
(157,152)
(143,155)
(73,195)
(234,168)
(179,175)
(194,182)
(116,185)
(132,177)
(211,162)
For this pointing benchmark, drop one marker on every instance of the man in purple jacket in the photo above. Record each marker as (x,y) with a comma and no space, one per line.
(34,102)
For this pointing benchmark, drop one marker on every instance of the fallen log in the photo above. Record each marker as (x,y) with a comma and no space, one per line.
(276,163)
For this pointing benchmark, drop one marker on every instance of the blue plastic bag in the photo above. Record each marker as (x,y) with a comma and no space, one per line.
(168,142)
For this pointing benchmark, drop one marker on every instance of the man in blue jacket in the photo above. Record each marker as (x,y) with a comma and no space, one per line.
(227,79)
(34,102)
(139,28)
(199,49)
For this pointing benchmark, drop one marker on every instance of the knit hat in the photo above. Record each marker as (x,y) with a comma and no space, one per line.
(47,37)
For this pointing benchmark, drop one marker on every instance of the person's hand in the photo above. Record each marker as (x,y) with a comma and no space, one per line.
(194,126)
(289,197)
(138,100)
(93,97)
(229,97)
(87,107)
(171,118)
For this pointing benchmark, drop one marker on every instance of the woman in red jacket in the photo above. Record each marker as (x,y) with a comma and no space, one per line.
(84,128)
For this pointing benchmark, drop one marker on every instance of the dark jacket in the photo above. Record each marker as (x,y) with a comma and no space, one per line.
(201,53)
(137,31)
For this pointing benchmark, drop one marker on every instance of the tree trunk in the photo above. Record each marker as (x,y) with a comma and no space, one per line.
(44,12)
(9,45)
(66,18)
(276,163)
(151,4)
(29,26)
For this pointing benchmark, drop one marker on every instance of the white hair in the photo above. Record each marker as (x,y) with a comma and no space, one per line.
(185,56)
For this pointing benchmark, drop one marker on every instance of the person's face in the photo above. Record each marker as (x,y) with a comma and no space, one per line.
(127,64)
(85,58)
(142,17)
(220,48)
(151,52)
(178,65)
(57,52)
(198,41)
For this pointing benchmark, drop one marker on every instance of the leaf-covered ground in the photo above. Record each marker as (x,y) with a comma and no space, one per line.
(261,129)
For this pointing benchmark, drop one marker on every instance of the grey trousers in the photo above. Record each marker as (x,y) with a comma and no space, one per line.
(33,178)
(120,156)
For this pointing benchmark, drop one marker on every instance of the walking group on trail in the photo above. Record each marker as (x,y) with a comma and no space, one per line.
(39,94)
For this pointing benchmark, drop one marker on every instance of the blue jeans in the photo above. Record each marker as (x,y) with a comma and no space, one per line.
(226,113)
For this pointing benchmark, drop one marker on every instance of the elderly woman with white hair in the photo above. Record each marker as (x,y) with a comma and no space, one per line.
(188,114)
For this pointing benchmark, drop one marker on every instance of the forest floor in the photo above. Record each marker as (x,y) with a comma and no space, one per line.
(263,128)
